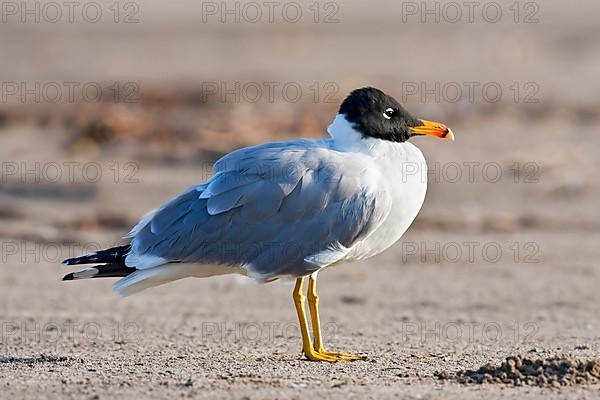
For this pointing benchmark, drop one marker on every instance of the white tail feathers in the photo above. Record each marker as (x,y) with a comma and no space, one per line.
(146,278)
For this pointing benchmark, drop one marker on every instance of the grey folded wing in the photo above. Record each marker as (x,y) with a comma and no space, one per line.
(275,209)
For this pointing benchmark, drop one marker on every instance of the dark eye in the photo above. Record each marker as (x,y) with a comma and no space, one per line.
(389,113)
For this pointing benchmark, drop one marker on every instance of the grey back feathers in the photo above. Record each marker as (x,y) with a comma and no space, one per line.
(275,209)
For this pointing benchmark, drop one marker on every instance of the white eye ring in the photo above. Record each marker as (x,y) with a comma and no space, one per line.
(390,111)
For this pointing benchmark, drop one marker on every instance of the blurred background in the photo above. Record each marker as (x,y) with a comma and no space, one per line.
(108,109)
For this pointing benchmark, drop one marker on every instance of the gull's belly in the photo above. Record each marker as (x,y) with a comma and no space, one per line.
(408,194)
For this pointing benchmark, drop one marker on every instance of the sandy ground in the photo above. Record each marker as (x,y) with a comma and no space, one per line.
(501,261)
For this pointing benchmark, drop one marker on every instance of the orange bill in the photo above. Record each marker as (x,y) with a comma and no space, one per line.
(431,128)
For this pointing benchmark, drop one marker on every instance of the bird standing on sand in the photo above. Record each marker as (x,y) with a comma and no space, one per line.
(286,209)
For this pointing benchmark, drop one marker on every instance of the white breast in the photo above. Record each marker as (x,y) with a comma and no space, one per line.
(407,184)
(405,175)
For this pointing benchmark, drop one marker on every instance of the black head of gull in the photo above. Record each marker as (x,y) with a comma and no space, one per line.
(378,115)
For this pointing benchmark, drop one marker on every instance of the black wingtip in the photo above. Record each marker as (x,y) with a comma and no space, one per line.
(113,255)
(68,277)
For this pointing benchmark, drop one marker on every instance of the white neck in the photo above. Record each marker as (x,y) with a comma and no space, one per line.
(346,138)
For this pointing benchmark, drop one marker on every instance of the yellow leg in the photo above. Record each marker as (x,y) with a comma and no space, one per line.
(313,305)
(307,347)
